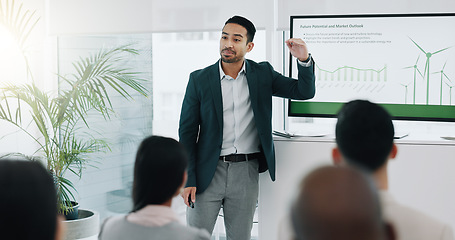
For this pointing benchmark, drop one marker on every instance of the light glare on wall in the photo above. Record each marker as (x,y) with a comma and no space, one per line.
(6,39)
(12,62)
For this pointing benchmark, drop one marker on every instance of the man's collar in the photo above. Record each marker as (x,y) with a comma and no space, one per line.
(222,74)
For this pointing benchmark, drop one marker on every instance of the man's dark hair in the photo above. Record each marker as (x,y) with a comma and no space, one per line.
(158,172)
(28,201)
(247,24)
(364,134)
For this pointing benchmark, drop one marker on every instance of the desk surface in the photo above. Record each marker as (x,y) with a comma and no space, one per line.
(415,133)
(408,140)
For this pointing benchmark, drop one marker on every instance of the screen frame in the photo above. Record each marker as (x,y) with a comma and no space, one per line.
(393,109)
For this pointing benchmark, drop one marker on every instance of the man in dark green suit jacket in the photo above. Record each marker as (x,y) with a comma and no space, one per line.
(224,124)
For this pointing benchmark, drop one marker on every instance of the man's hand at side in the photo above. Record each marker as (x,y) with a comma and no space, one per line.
(189,191)
(298,48)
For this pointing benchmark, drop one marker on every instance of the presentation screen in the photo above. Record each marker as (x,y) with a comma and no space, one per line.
(404,62)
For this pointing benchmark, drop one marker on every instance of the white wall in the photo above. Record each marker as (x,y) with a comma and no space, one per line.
(320,7)
(114,16)
(121,16)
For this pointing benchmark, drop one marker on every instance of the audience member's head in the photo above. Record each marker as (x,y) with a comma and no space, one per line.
(28,202)
(338,203)
(247,24)
(159,171)
(364,135)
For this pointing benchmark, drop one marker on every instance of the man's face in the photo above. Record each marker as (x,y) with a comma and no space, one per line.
(233,43)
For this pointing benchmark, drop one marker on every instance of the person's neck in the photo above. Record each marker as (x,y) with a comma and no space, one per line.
(232,69)
(168,203)
(381,178)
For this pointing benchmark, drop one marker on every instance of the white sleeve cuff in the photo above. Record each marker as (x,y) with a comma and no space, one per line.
(306,64)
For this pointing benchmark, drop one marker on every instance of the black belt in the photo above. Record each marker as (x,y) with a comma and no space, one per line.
(240,157)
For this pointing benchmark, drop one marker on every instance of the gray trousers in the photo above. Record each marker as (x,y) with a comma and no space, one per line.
(235,186)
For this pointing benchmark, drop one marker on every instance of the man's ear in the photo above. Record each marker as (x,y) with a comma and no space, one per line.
(336,157)
(61,228)
(249,46)
(389,232)
(394,151)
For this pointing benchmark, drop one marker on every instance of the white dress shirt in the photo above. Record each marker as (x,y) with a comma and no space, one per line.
(239,128)
(411,224)
(240,135)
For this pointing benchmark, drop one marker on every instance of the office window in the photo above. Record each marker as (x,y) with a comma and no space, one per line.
(106,184)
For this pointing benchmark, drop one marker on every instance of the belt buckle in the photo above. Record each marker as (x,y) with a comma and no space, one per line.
(235,158)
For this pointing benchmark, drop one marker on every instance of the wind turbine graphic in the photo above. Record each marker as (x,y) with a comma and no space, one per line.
(442,77)
(450,90)
(416,70)
(427,65)
(406,93)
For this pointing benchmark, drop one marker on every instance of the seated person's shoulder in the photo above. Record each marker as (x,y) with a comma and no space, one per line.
(191,233)
(116,227)
(114,221)
(410,221)
(110,226)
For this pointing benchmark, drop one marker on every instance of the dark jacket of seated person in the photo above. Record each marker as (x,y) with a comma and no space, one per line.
(159,175)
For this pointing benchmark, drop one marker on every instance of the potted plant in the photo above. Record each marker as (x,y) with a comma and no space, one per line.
(58,119)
